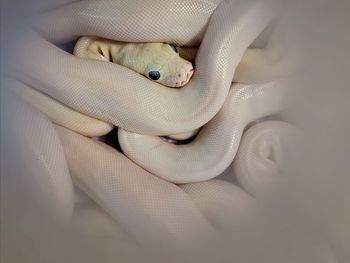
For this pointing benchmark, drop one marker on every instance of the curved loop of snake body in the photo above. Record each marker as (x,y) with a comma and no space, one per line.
(261,156)
(181,111)
(215,146)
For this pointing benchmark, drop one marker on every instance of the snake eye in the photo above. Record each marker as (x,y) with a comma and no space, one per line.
(173,47)
(155,75)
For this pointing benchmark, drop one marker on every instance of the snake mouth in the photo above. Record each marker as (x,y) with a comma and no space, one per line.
(189,75)
(175,141)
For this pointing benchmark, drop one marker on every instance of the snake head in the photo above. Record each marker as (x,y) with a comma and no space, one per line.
(159,62)
(165,66)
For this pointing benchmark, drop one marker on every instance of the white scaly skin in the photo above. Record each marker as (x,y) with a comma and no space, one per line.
(61,114)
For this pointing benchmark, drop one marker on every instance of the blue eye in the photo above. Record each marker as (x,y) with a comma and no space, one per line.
(155,75)
(174,48)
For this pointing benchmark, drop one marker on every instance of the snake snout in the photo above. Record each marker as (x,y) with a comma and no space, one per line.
(184,75)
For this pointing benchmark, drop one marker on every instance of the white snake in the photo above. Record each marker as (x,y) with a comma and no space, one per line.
(146,110)
(102,94)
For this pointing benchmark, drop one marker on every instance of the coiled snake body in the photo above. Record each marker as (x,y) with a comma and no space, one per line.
(215,98)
